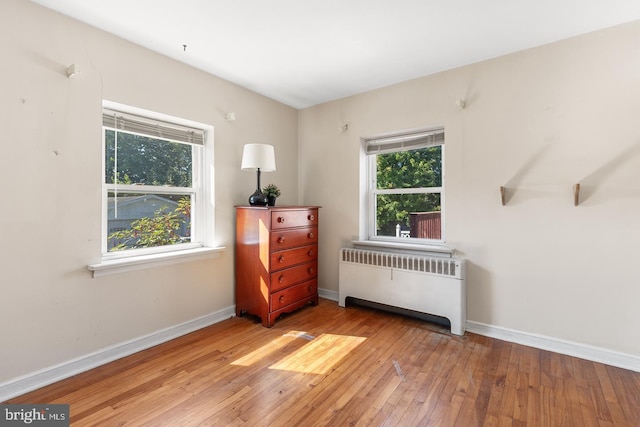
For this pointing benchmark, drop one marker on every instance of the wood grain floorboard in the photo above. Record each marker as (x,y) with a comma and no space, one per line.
(330,366)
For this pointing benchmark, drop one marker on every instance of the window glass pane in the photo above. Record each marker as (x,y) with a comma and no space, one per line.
(410,169)
(143,160)
(137,220)
(409,215)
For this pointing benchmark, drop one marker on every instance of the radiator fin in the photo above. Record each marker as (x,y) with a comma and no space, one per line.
(447,267)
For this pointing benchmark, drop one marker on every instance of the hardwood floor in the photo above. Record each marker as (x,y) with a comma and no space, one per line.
(327,365)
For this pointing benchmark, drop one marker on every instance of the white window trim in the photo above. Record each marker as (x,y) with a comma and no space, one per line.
(368,235)
(139,262)
(119,262)
(437,249)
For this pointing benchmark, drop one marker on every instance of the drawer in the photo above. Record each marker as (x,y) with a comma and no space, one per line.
(290,276)
(293,218)
(291,238)
(289,257)
(293,294)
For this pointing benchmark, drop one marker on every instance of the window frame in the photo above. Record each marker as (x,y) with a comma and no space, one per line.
(372,191)
(201,189)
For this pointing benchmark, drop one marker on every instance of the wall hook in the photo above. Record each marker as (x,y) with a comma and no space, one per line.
(576,194)
(72,71)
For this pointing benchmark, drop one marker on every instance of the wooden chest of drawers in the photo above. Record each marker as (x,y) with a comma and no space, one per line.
(276,260)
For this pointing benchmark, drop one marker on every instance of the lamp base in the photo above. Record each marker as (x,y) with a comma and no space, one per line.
(258,199)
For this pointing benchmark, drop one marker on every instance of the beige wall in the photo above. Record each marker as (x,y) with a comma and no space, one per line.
(52,311)
(538,122)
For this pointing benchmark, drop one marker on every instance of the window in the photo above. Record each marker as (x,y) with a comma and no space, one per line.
(153,196)
(405,186)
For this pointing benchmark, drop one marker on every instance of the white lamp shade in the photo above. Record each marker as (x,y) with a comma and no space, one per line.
(258,156)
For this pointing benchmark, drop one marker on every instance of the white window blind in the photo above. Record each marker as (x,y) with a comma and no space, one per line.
(407,141)
(131,123)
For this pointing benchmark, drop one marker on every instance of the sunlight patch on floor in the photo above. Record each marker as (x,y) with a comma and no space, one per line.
(320,354)
(267,349)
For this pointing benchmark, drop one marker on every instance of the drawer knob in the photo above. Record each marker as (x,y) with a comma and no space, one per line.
(281,299)
(281,259)
(311,217)
(310,253)
(281,219)
(281,278)
(281,239)
(310,270)
(310,288)
(310,235)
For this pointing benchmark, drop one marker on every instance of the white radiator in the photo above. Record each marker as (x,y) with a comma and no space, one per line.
(424,284)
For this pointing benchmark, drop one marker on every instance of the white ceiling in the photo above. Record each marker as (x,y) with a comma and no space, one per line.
(306,52)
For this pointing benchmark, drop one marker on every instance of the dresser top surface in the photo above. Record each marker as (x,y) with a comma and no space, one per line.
(278,207)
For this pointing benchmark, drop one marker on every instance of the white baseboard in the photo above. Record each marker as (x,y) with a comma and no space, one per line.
(35,380)
(582,351)
(327,294)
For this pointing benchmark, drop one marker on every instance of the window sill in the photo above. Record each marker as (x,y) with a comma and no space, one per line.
(122,265)
(437,250)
